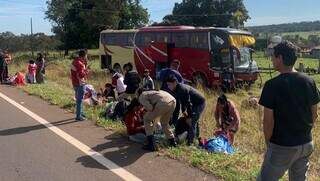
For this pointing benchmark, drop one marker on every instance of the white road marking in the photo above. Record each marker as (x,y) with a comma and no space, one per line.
(124,174)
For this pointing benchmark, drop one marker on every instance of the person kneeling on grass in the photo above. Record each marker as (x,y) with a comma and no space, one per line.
(157,104)
(134,121)
(227,117)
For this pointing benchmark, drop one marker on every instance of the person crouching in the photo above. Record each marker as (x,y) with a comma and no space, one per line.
(134,121)
(227,117)
(157,104)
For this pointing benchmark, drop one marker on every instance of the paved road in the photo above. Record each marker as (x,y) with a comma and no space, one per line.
(30,151)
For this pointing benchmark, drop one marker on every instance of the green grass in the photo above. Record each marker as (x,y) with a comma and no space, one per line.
(249,144)
(304,35)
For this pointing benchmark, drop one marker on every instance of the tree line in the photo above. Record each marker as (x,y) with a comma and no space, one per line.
(304,42)
(38,42)
(288,27)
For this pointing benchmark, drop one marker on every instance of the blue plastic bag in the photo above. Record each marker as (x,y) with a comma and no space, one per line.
(219,144)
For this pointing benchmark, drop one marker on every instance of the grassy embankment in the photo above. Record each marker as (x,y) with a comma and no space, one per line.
(244,165)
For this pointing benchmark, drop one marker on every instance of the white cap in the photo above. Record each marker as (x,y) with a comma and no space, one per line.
(274,41)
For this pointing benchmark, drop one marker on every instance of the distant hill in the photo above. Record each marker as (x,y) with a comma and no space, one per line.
(289,27)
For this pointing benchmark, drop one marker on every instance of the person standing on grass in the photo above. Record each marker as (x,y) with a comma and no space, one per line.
(147,82)
(192,103)
(32,69)
(1,67)
(290,111)
(132,80)
(5,71)
(117,82)
(40,69)
(79,75)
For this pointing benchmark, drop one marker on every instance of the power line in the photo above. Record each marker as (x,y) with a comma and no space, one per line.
(98,10)
(201,15)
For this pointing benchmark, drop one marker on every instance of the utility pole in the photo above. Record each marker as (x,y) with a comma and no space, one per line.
(31,38)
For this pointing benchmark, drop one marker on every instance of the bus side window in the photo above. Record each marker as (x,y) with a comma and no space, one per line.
(130,39)
(181,40)
(138,39)
(199,40)
(162,37)
(148,38)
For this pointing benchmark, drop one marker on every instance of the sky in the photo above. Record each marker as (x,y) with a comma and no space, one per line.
(15,14)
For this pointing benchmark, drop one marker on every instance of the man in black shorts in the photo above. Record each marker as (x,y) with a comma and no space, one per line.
(290,111)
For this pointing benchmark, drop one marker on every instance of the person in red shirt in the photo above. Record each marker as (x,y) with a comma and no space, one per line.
(227,117)
(79,73)
(32,69)
(134,122)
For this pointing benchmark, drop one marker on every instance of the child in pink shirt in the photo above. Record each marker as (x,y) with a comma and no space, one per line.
(32,69)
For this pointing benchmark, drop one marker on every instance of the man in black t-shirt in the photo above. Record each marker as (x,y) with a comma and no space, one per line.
(132,80)
(290,111)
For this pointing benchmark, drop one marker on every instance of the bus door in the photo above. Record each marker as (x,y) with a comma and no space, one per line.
(159,54)
(220,55)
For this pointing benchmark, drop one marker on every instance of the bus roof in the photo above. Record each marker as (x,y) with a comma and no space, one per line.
(234,31)
(119,31)
(179,28)
(192,28)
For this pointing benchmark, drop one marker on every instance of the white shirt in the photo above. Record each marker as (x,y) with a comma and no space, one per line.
(121,87)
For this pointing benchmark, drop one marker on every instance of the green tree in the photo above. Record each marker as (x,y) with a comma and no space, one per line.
(220,13)
(78,23)
(133,15)
(314,40)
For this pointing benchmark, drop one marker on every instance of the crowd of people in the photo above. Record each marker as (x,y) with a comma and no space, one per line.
(175,110)
(289,100)
(34,74)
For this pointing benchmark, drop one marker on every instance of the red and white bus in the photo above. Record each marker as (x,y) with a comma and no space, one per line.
(205,53)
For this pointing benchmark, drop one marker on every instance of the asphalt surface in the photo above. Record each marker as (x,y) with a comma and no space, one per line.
(29,151)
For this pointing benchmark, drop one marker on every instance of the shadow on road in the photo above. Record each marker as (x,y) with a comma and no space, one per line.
(22,130)
(118,149)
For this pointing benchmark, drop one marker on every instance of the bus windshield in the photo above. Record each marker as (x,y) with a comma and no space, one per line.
(244,58)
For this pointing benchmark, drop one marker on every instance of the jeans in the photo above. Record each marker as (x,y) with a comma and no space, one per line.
(194,129)
(279,159)
(79,93)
